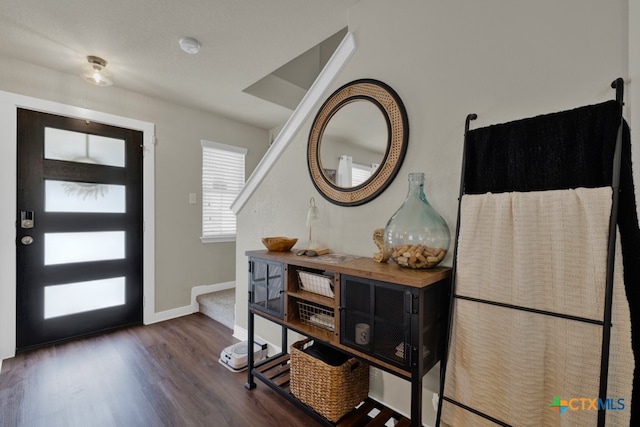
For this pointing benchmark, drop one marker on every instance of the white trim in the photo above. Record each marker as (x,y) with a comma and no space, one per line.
(9,102)
(219,146)
(330,71)
(221,239)
(169,314)
(240,333)
(205,289)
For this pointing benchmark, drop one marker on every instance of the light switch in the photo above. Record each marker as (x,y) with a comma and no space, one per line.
(192,198)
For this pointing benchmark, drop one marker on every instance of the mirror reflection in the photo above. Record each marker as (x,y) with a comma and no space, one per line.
(353,143)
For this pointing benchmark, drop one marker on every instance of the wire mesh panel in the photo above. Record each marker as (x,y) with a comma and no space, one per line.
(316,315)
(316,283)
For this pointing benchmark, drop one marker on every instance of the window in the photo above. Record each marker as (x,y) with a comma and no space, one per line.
(361,173)
(222,180)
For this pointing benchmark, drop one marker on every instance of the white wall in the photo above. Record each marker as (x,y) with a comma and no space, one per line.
(501,59)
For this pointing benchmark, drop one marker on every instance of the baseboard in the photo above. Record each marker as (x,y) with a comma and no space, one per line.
(170,314)
(240,333)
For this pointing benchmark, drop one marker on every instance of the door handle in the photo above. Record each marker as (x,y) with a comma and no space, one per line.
(26,219)
(27,240)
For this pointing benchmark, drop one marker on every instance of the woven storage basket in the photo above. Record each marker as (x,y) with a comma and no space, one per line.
(332,391)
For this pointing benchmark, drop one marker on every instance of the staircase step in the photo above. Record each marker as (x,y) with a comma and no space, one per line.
(220,306)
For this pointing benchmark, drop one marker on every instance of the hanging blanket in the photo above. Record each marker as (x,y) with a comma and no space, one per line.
(545,251)
(563,150)
(567,150)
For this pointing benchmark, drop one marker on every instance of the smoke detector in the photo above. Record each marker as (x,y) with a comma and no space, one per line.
(189,45)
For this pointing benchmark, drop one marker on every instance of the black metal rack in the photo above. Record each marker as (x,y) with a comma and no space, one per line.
(606,324)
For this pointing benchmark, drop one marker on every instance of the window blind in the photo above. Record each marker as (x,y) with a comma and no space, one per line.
(359,174)
(222,180)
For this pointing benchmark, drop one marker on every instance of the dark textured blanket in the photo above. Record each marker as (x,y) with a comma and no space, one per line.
(569,149)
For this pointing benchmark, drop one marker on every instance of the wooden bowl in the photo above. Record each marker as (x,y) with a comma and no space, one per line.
(279,244)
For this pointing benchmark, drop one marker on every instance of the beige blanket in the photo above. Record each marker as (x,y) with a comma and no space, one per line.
(543,250)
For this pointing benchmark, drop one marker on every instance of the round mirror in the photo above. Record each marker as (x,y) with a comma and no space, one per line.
(357,142)
(358,134)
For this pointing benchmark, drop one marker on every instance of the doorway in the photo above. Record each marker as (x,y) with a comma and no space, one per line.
(79,219)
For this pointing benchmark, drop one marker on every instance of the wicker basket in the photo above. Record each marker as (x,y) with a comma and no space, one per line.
(332,391)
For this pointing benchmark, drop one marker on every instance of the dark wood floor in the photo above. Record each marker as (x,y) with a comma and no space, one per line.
(165,374)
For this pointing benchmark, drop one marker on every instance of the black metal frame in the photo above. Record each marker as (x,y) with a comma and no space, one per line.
(618,85)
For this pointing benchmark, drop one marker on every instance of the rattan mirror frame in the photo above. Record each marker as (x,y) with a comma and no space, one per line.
(393,110)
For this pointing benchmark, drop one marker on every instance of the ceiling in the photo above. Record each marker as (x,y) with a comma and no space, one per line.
(242,42)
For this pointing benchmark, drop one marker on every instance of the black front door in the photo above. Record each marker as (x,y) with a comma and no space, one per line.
(79,228)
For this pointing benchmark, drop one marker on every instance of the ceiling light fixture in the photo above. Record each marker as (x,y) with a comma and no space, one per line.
(95,73)
(189,45)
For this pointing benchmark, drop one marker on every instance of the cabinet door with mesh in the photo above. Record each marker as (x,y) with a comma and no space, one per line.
(356,313)
(267,287)
(391,336)
(375,318)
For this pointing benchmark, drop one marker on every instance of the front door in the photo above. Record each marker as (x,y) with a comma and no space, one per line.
(79,228)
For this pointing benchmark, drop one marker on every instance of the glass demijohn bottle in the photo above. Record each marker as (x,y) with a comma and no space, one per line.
(416,235)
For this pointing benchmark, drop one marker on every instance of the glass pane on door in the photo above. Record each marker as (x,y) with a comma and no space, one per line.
(83,148)
(64,248)
(259,295)
(70,298)
(66,196)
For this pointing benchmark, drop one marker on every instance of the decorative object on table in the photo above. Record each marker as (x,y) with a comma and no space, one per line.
(279,243)
(313,252)
(384,252)
(313,216)
(416,235)
(362,333)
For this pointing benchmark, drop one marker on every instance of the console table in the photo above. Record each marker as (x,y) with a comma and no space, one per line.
(405,312)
